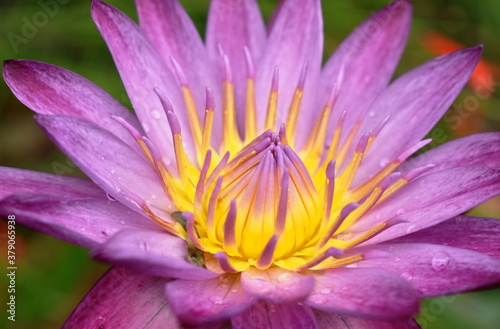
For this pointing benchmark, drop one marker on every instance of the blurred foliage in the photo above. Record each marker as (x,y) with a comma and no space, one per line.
(53,276)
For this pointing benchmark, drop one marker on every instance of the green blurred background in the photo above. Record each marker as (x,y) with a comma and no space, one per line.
(53,276)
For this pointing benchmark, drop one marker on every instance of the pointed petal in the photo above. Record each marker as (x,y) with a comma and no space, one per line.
(201,302)
(85,222)
(276,316)
(364,292)
(173,33)
(479,234)
(154,253)
(276,285)
(415,102)
(432,199)
(296,38)
(335,321)
(25,181)
(48,89)
(437,270)
(474,150)
(107,160)
(142,69)
(234,25)
(368,58)
(123,298)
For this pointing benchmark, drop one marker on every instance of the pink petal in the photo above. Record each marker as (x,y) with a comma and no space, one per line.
(276,285)
(436,270)
(202,302)
(124,299)
(474,150)
(142,69)
(415,102)
(48,89)
(234,25)
(151,252)
(368,58)
(335,321)
(107,160)
(172,32)
(432,199)
(25,181)
(264,315)
(474,233)
(296,38)
(363,292)
(85,222)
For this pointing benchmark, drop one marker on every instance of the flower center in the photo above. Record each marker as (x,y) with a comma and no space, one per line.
(254,201)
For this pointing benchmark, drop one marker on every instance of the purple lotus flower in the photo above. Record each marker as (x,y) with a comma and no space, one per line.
(255,187)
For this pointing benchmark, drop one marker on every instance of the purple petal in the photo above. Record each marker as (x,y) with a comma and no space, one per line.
(154,253)
(201,302)
(234,25)
(415,102)
(276,285)
(107,160)
(124,299)
(474,150)
(474,233)
(85,222)
(368,58)
(142,69)
(432,199)
(335,321)
(172,32)
(364,292)
(25,181)
(296,38)
(48,89)
(264,315)
(436,270)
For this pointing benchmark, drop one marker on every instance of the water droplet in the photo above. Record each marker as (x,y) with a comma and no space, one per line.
(318,299)
(122,222)
(223,278)
(371,114)
(146,127)
(400,211)
(110,198)
(82,229)
(397,259)
(112,171)
(156,114)
(234,290)
(102,158)
(326,291)
(118,189)
(440,261)
(153,196)
(352,265)
(285,277)
(407,275)
(412,228)
(217,300)
(384,162)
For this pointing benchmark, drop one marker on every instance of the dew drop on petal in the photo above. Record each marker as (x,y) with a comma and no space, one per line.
(285,277)
(371,114)
(217,300)
(110,198)
(384,162)
(408,275)
(400,211)
(156,115)
(326,291)
(317,299)
(234,290)
(412,228)
(440,261)
(112,171)
(122,222)
(223,278)
(146,127)
(397,259)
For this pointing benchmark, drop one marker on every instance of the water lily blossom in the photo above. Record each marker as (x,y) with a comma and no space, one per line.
(254,188)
